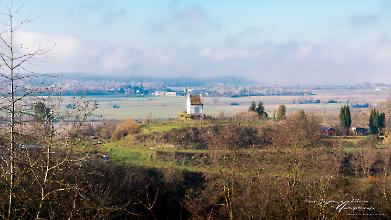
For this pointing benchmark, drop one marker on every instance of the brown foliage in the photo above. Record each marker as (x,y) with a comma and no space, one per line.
(360,118)
(387,137)
(242,190)
(218,136)
(299,130)
(368,162)
(107,129)
(125,128)
(386,108)
(246,116)
(232,136)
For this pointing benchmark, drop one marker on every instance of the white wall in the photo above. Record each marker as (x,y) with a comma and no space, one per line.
(193,109)
(196,110)
(188,106)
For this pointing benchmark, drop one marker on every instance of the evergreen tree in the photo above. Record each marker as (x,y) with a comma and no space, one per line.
(260,108)
(342,117)
(382,121)
(301,115)
(345,119)
(261,111)
(42,113)
(253,107)
(281,112)
(374,121)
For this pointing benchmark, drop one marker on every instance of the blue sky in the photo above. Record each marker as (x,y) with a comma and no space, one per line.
(271,41)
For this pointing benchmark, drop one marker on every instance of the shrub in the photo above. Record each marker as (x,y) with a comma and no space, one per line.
(346,166)
(184,137)
(387,137)
(107,129)
(218,136)
(300,129)
(182,116)
(232,136)
(246,116)
(378,168)
(125,128)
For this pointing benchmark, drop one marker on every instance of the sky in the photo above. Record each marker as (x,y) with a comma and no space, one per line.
(270,41)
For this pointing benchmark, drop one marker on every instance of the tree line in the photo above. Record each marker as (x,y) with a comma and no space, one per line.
(376,122)
(262,114)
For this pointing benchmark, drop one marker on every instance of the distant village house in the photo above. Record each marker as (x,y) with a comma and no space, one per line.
(161,93)
(194,105)
(328,131)
(360,131)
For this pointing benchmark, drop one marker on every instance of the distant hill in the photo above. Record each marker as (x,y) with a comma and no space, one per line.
(165,81)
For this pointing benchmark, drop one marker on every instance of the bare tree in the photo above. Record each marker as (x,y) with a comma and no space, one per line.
(34,152)
(14,72)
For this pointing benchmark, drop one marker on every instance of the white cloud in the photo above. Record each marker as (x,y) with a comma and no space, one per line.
(286,63)
(64,47)
(70,54)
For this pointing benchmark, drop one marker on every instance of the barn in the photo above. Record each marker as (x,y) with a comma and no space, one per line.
(360,131)
(328,131)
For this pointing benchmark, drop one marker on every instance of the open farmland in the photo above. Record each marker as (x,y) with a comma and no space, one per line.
(171,107)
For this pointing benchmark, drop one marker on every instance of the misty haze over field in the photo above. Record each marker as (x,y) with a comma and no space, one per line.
(284,42)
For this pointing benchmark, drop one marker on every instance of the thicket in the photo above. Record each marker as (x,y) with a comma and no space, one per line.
(217,136)
(297,130)
(125,128)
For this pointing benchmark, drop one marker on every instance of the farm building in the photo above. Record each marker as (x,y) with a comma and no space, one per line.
(194,105)
(360,131)
(328,131)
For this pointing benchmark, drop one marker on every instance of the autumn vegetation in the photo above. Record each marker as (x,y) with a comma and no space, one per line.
(58,163)
(241,168)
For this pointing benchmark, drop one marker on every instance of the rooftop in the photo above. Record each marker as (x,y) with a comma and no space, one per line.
(195,100)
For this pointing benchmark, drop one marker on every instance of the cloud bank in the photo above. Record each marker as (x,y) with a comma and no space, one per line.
(188,40)
(284,63)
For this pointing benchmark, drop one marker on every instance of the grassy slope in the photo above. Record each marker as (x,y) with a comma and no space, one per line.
(164,126)
(138,156)
(126,152)
(156,126)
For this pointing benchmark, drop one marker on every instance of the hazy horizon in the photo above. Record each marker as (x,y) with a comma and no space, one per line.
(231,79)
(280,42)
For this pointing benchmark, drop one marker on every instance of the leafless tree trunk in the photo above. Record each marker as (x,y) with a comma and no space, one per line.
(13,70)
(38,177)
(18,95)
